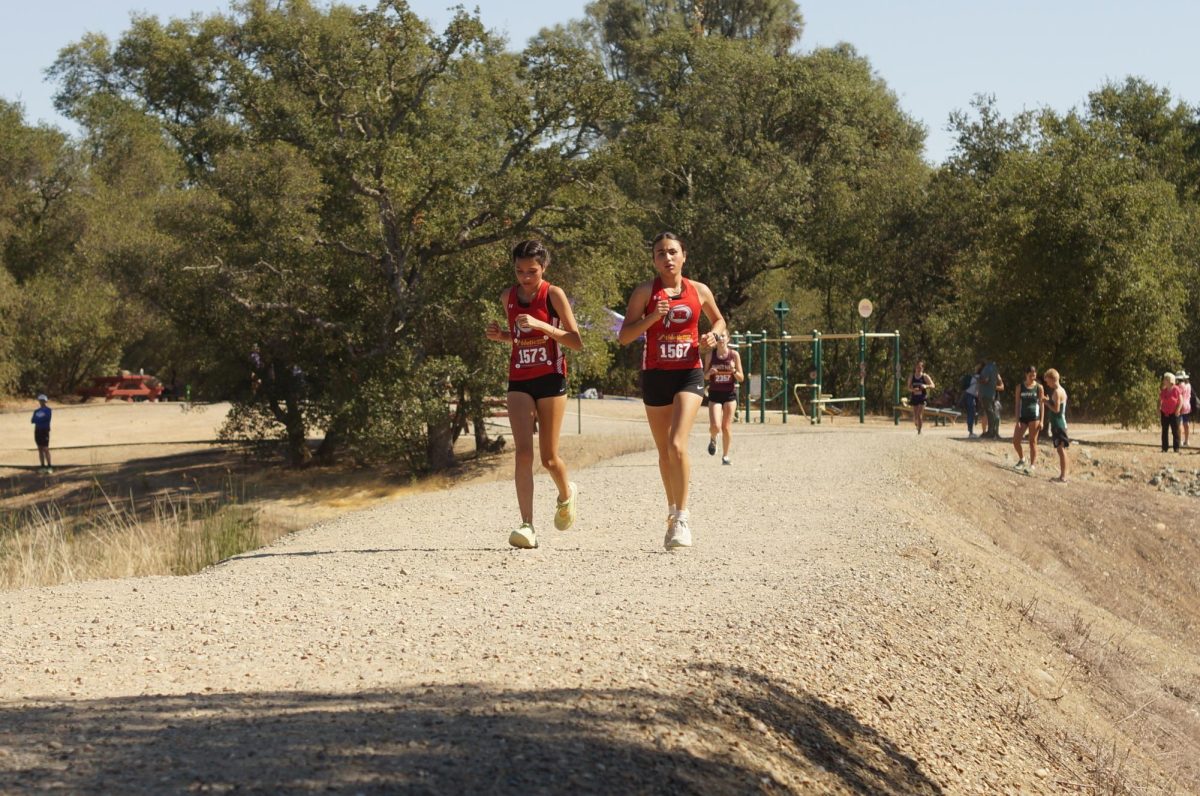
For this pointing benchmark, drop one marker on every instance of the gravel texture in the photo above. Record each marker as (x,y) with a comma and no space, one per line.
(815,639)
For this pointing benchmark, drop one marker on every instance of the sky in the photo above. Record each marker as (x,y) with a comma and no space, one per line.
(935,55)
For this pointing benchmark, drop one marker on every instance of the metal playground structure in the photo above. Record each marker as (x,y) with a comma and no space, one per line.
(753,346)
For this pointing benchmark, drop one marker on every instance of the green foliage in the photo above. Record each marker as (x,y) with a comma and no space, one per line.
(1075,267)
(10,303)
(342,163)
(70,329)
(308,208)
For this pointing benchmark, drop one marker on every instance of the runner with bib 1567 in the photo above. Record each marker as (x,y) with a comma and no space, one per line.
(540,325)
(667,311)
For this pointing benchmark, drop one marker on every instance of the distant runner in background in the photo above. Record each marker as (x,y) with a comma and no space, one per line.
(723,371)
(918,393)
(540,325)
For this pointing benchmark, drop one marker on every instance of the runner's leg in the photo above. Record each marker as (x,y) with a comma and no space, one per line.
(550,413)
(728,410)
(659,418)
(683,415)
(520,419)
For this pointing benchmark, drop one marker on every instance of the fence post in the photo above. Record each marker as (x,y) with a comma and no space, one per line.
(820,380)
(749,367)
(762,402)
(813,407)
(862,374)
(896,380)
(784,347)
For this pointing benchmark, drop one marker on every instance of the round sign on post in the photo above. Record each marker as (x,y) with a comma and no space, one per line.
(865,308)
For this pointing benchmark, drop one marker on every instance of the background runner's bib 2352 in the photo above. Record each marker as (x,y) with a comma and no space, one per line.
(673,343)
(534,353)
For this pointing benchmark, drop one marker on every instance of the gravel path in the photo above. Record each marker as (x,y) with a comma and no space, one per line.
(810,641)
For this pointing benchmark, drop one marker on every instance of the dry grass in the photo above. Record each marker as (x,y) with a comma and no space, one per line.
(184,507)
(44,545)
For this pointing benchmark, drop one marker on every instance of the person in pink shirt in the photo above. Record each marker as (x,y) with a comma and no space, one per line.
(1184,382)
(1170,407)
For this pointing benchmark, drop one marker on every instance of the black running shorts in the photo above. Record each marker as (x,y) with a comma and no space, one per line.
(551,385)
(41,437)
(659,387)
(1059,437)
(721,397)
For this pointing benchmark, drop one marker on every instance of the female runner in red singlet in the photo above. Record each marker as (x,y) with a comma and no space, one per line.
(540,325)
(667,310)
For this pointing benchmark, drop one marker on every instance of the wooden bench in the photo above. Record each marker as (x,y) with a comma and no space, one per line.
(941,415)
(826,409)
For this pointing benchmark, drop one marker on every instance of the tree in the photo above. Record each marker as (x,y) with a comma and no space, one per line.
(408,153)
(1075,265)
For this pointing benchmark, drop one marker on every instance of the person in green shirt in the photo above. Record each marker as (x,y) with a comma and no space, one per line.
(1056,416)
(1028,404)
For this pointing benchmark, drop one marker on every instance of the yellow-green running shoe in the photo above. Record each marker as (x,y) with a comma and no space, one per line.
(564,514)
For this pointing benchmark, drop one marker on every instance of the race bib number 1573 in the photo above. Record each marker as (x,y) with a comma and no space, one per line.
(532,356)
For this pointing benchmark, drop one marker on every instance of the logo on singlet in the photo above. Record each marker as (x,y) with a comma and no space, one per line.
(679,314)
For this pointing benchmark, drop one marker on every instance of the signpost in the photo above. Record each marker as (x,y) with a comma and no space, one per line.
(865,308)
(782,309)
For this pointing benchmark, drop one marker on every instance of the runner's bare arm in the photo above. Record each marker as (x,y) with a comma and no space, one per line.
(568,335)
(738,375)
(494,331)
(708,305)
(637,321)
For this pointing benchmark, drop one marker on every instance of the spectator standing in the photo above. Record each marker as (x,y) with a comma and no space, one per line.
(1056,417)
(1170,409)
(1027,406)
(971,400)
(41,434)
(1184,382)
(990,384)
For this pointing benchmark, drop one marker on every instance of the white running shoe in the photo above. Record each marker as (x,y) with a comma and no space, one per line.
(725,460)
(564,514)
(1020,465)
(523,537)
(680,534)
(670,529)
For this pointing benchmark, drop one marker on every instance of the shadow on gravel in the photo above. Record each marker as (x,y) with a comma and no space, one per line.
(735,732)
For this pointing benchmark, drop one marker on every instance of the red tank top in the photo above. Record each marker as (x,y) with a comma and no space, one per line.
(723,380)
(534,353)
(674,342)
